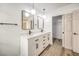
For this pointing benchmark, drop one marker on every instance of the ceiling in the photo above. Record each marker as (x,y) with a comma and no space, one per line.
(50,7)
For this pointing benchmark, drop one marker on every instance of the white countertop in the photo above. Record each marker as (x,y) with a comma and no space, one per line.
(33,34)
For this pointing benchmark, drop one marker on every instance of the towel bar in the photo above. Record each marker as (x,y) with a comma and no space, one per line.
(8,24)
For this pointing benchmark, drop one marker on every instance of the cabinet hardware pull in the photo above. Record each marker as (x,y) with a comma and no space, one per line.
(36,39)
(75,33)
(36,45)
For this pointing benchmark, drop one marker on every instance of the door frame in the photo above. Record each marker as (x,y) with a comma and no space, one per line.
(52,25)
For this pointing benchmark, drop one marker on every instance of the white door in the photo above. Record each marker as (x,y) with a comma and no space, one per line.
(76,31)
(67,31)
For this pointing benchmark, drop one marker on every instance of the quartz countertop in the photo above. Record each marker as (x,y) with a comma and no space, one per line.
(33,34)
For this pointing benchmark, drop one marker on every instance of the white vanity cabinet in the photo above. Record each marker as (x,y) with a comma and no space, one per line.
(33,46)
(36,44)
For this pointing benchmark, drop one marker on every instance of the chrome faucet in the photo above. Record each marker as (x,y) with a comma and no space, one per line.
(30,32)
(41,30)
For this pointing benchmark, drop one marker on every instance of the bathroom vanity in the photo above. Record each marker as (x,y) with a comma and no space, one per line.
(33,45)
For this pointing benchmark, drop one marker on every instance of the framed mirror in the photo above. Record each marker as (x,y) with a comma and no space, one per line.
(27,20)
(40,22)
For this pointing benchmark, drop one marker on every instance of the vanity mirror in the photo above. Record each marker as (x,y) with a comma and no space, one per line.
(40,22)
(27,20)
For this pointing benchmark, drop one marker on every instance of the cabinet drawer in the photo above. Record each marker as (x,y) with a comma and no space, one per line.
(44,36)
(44,40)
(45,44)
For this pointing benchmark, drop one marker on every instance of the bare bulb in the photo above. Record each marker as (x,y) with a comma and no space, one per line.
(33,12)
(27,14)
(44,16)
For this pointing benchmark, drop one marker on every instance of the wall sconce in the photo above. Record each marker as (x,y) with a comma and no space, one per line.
(44,16)
(33,11)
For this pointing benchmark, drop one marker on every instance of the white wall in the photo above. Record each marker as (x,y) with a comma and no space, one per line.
(10,35)
(57,27)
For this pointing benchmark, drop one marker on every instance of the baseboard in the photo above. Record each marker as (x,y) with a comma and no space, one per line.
(67,52)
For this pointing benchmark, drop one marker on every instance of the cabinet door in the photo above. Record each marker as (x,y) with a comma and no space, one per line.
(41,45)
(76,31)
(24,46)
(31,47)
(37,46)
(67,31)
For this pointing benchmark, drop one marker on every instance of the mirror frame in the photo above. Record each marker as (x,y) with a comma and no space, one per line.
(32,21)
(38,22)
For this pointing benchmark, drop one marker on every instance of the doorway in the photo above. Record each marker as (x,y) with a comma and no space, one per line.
(57,29)
(61,26)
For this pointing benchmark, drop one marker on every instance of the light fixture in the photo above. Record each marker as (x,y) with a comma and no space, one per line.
(33,11)
(44,16)
(27,14)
